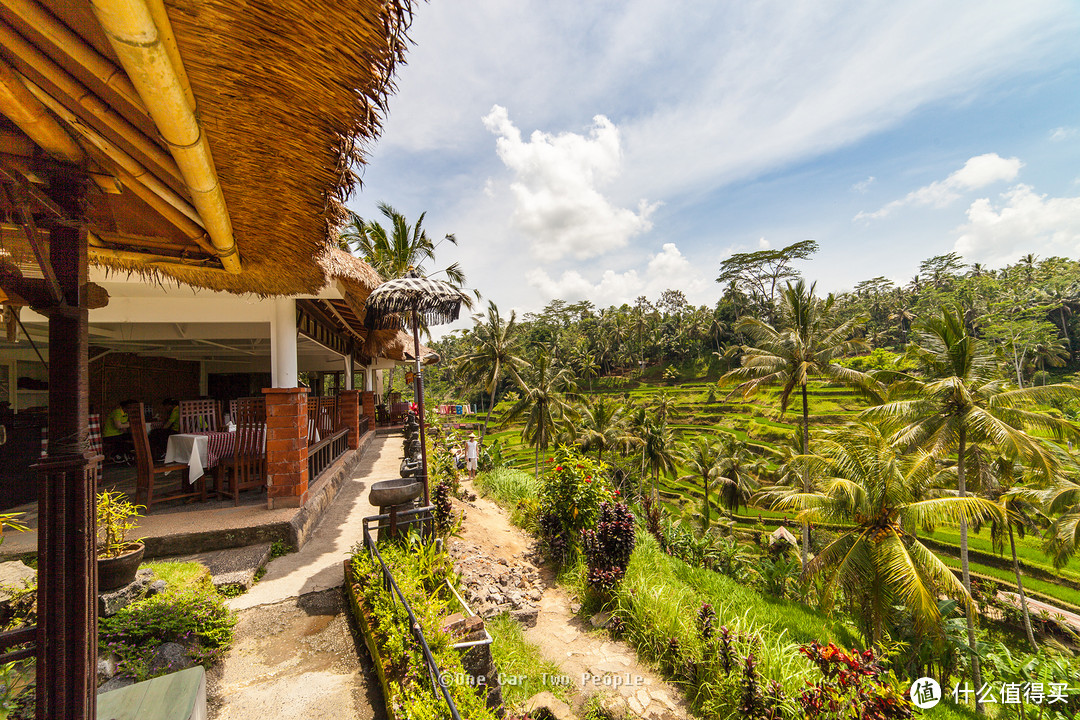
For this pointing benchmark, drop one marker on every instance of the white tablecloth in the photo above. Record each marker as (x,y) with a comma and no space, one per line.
(190,449)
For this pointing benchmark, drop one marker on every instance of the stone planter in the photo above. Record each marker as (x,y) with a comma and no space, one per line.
(116,572)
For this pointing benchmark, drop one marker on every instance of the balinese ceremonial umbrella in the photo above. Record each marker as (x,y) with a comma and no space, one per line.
(410,301)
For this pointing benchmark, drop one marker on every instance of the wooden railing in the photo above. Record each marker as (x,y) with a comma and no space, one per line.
(322,454)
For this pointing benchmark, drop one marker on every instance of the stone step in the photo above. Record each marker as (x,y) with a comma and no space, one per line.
(235,567)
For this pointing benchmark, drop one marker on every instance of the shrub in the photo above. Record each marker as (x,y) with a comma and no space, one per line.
(570,497)
(195,617)
(419,571)
(852,685)
(609,546)
(444,509)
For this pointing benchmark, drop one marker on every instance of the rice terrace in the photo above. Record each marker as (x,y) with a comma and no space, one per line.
(533,360)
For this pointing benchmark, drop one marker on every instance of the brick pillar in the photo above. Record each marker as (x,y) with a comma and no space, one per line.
(349,412)
(286,447)
(368,402)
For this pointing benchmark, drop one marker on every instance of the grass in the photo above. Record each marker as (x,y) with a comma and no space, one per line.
(1027,549)
(507,486)
(179,576)
(658,602)
(522,669)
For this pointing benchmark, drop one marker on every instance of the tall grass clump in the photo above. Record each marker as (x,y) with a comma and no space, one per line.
(657,606)
(518,659)
(516,490)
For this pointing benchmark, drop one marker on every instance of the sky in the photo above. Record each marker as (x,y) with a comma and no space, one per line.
(609,149)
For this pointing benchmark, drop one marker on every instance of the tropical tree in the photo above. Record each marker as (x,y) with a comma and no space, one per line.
(740,471)
(601,426)
(542,404)
(496,344)
(803,346)
(1062,501)
(960,401)
(702,458)
(868,483)
(657,454)
(392,251)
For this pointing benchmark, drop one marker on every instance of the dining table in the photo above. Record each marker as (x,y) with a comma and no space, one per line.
(201,451)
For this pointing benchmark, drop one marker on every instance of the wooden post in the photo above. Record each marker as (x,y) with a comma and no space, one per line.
(67,569)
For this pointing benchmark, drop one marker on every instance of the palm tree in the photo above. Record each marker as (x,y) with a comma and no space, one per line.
(702,459)
(664,402)
(803,347)
(961,401)
(542,403)
(740,471)
(656,449)
(1062,499)
(494,353)
(601,426)
(869,484)
(391,253)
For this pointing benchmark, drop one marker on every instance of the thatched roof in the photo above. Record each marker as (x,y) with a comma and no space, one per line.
(287,93)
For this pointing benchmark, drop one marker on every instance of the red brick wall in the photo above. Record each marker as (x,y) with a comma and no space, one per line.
(368,402)
(286,447)
(349,412)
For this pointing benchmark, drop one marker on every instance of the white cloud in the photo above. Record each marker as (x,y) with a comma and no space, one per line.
(1024,222)
(665,270)
(1063,133)
(978,172)
(863,185)
(748,87)
(763,244)
(557,201)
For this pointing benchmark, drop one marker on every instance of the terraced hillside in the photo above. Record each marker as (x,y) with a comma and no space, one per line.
(757,422)
(702,407)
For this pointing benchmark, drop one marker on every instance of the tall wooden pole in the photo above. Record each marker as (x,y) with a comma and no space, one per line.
(67,590)
(419,389)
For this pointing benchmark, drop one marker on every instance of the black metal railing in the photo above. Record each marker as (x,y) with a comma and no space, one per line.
(322,454)
(421,517)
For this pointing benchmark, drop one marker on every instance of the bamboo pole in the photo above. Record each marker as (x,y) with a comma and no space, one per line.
(138,44)
(27,112)
(168,39)
(152,259)
(143,241)
(18,46)
(77,49)
(128,170)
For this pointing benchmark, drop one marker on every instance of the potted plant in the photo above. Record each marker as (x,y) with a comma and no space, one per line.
(117,557)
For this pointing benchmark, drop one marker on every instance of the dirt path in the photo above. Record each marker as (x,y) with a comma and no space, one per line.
(1035,606)
(588,657)
(295,659)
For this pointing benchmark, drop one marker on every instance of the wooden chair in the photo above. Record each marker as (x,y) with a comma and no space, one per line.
(313,405)
(328,416)
(148,471)
(246,467)
(199,416)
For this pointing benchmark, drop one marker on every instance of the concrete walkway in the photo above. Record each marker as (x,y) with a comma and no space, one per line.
(294,655)
(317,566)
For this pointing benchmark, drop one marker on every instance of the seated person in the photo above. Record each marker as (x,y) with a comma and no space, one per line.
(116,432)
(159,438)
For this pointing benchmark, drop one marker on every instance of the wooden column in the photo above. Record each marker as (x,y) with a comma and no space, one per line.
(67,570)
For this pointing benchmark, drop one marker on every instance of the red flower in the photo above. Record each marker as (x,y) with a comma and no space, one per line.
(617,492)
(558,468)
(588,480)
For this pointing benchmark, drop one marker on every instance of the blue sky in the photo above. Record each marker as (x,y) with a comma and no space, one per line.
(605,150)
